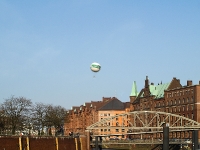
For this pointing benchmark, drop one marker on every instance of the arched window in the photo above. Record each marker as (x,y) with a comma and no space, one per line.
(188,100)
(192,99)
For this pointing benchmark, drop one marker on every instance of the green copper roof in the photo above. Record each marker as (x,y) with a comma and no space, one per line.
(134,90)
(158,90)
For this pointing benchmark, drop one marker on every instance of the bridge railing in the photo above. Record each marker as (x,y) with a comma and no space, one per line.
(144,141)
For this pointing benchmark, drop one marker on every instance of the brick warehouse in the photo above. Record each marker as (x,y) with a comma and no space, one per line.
(169,97)
(79,118)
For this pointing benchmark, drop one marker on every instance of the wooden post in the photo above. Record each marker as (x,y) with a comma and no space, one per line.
(56,143)
(81,143)
(27,143)
(20,143)
(76,142)
(88,139)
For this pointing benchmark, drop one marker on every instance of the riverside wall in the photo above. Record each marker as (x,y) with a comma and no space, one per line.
(42,143)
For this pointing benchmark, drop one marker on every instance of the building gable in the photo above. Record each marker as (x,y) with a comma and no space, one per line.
(113,104)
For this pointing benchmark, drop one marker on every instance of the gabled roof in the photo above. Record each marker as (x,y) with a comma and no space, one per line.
(97,104)
(158,91)
(155,90)
(113,104)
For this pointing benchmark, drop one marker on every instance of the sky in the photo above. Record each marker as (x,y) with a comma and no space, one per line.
(46,47)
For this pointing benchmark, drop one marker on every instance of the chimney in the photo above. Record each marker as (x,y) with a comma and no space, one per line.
(147,82)
(189,82)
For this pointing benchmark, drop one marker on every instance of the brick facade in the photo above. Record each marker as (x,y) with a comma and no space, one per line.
(171,98)
(79,118)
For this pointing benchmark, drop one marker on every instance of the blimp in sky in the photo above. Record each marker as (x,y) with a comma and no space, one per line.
(95,67)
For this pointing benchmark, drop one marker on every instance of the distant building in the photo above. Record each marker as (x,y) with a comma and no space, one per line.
(81,117)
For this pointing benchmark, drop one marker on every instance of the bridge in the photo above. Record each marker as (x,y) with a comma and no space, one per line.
(147,126)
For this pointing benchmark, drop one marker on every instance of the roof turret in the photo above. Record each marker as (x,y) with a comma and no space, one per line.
(134,89)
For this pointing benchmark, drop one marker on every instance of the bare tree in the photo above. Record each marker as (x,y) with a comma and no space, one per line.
(55,117)
(39,116)
(16,110)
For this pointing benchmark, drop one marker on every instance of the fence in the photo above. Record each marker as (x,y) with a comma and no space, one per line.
(42,143)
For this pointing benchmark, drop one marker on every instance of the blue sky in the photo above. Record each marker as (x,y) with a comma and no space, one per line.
(46,47)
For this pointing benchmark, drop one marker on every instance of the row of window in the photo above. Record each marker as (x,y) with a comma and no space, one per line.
(180,93)
(105,114)
(180,108)
(116,130)
(176,101)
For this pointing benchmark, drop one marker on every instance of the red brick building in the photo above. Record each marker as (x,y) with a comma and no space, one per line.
(172,97)
(80,117)
(169,97)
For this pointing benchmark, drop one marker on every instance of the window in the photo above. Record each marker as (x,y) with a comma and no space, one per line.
(192,99)
(117,123)
(117,130)
(183,100)
(123,130)
(192,107)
